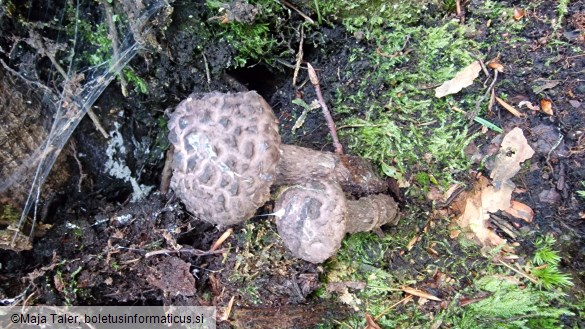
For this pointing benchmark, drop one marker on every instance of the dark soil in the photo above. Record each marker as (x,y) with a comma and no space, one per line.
(95,253)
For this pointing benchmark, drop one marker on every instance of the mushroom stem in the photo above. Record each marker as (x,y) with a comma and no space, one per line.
(355,175)
(370,212)
(313,217)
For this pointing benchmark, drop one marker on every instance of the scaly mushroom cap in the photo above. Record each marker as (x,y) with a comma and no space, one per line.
(226,151)
(311,219)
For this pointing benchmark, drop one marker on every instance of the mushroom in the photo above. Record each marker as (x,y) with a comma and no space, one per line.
(226,147)
(312,218)
(227,154)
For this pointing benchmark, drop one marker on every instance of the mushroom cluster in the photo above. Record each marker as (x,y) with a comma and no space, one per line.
(228,153)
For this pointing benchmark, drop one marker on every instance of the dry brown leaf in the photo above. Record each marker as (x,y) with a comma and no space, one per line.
(546,106)
(371,323)
(510,108)
(419,293)
(548,84)
(463,79)
(518,13)
(412,242)
(521,211)
(495,199)
(474,221)
(486,198)
(513,151)
(528,105)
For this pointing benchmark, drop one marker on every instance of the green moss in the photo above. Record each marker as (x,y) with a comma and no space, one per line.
(402,126)
(546,264)
(510,305)
(96,46)
(9,215)
(255,39)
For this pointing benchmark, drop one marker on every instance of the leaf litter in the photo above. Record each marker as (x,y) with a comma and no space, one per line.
(462,79)
(474,207)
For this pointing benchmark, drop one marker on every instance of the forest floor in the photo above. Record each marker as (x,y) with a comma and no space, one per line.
(449,263)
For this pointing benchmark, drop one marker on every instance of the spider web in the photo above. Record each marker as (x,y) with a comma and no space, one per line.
(71,109)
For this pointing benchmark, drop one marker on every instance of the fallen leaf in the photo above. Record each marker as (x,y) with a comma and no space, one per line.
(495,199)
(419,293)
(371,323)
(510,108)
(528,105)
(546,106)
(513,151)
(518,13)
(486,198)
(466,301)
(412,242)
(463,79)
(521,211)
(549,84)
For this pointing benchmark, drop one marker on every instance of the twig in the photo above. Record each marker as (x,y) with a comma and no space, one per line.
(81,174)
(402,301)
(165,180)
(558,142)
(207,74)
(221,239)
(475,112)
(113,34)
(330,123)
(191,251)
(482,64)
(522,273)
(299,58)
(96,122)
(290,5)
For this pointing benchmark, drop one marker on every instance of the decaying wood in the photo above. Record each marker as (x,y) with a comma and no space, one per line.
(288,316)
(25,124)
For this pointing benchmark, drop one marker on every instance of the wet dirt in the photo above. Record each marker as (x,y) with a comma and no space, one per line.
(99,239)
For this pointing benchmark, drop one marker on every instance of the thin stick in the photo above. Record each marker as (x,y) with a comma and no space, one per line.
(113,34)
(167,172)
(207,74)
(330,123)
(475,112)
(221,239)
(403,300)
(191,251)
(96,121)
(288,4)
(526,275)
(299,58)
(81,174)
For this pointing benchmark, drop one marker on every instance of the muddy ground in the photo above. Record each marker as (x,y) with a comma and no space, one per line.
(95,252)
